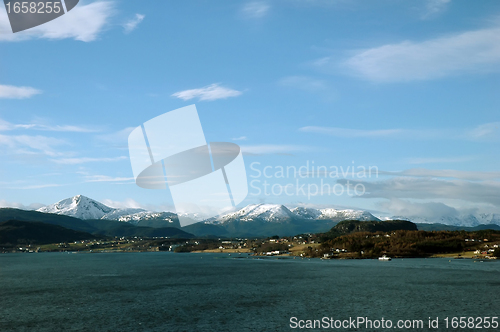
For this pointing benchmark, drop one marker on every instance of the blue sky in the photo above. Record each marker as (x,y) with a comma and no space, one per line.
(411,88)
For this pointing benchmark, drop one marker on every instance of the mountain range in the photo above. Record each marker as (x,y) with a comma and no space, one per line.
(84,208)
(252,220)
(83,214)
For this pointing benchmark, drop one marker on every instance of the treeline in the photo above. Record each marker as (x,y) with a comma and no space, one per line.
(403,243)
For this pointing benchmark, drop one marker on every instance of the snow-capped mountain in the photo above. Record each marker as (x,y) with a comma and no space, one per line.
(334,214)
(85,208)
(138,216)
(79,207)
(466,220)
(306,213)
(256,212)
(281,214)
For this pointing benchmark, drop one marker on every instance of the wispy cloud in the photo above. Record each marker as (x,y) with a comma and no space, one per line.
(84,160)
(129,203)
(351,133)
(431,189)
(25,144)
(444,173)
(241,138)
(486,131)
(309,84)
(16,205)
(483,132)
(430,210)
(273,149)
(17,92)
(209,93)
(255,10)
(439,160)
(5,125)
(84,23)
(105,178)
(37,186)
(119,138)
(434,7)
(468,52)
(132,24)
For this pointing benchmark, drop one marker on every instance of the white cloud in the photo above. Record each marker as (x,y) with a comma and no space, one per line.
(210,92)
(434,7)
(132,24)
(255,10)
(431,210)
(439,160)
(445,173)
(84,23)
(129,203)
(16,205)
(5,125)
(24,144)
(119,138)
(83,160)
(310,85)
(37,186)
(351,133)
(17,92)
(272,149)
(241,138)
(486,131)
(431,189)
(468,52)
(105,178)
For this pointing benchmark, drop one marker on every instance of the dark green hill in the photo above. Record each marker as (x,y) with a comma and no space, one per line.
(48,218)
(120,228)
(355,226)
(351,226)
(99,227)
(202,229)
(16,232)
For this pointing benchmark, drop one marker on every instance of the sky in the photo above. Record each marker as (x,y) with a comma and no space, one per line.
(406,89)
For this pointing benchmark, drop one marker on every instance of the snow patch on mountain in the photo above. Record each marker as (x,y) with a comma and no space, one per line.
(85,208)
(256,212)
(79,207)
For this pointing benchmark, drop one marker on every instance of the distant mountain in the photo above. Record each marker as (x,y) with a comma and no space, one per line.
(281,214)
(80,207)
(85,208)
(274,219)
(334,214)
(256,212)
(94,226)
(15,232)
(463,220)
(443,227)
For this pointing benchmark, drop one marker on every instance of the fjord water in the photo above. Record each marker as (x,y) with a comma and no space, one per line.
(218,292)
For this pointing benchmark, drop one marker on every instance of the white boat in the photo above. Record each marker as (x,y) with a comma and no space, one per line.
(384,258)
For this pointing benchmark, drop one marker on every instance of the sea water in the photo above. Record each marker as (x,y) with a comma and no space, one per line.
(218,292)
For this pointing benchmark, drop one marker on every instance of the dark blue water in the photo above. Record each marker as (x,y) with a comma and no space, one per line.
(217,292)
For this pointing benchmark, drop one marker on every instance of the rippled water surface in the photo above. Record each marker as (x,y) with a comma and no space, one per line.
(218,292)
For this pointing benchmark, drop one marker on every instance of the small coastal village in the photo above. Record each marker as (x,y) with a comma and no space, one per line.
(304,246)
